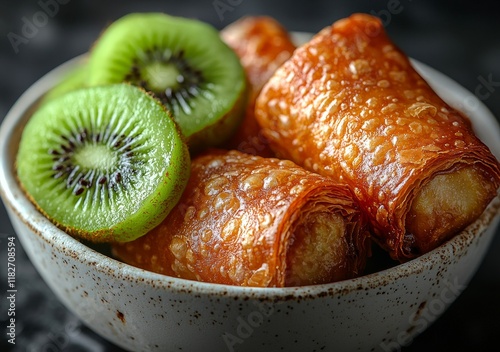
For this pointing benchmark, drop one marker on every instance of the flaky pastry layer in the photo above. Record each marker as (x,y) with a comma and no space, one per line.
(251,221)
(349,105)
(262,44)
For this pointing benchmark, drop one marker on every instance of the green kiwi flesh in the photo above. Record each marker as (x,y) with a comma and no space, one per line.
(103,163)
(182,62)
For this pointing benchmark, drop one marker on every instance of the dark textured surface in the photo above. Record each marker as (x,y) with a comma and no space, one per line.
(459,38)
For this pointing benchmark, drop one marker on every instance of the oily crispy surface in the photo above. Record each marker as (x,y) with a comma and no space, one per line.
(349,105)
(262,44)
(235,219)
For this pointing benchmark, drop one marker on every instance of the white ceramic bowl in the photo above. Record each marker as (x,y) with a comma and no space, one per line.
(144,311)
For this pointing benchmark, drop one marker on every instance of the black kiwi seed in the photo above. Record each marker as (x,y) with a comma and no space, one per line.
(187,81)
(95,160)
(79,179)
(181,62)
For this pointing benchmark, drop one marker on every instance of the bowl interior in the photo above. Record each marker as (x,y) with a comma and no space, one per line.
(380,270)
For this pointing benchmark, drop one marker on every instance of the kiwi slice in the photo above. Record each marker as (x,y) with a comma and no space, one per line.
(103,163)
(184,63)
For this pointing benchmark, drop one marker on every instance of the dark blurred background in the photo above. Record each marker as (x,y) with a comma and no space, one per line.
(460,38)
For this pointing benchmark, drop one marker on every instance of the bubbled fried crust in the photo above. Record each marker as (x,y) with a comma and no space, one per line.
(349,105)
(262,44)
(234,222)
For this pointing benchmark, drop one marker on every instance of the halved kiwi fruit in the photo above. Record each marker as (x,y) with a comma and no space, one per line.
(103,163)
(184,63)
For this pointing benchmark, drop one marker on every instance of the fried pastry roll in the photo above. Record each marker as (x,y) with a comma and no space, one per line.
(262,44)
(349,105)
(252,221)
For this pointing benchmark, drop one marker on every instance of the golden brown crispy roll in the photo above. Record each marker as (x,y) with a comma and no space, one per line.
(252,221)
(262,44)
(349,105)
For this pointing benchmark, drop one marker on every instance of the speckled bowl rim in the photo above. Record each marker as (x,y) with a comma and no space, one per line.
(15,200)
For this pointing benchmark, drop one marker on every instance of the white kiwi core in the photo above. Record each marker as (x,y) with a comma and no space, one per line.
(96,157)
(161,76)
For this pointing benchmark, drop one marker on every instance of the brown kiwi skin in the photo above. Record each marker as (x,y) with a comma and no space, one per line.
(176,194)
(107,236)
(221,130)
(197,142)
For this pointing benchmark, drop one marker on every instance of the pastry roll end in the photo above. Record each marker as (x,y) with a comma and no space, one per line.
(251,221)
(446,204)
(349,105)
